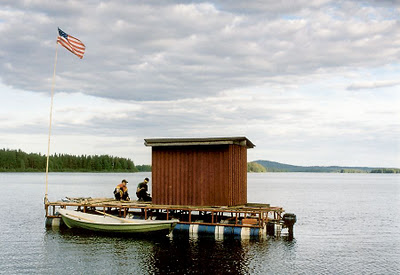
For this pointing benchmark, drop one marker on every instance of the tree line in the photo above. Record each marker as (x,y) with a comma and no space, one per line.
(386,170)
(19,161)
(254,167)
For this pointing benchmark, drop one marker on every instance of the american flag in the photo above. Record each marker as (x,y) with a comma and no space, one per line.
(71,43)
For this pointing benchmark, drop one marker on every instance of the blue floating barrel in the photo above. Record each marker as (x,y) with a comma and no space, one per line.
(254,232)
(181,228)
(237,231)
(219,232)
(232,231)
(206,230)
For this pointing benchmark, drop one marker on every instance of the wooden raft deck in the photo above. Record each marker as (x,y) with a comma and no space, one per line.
(248,215)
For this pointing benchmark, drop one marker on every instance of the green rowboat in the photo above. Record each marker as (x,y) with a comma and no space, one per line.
(113,224)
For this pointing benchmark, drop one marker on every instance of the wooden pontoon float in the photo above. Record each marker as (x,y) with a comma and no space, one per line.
(246,221)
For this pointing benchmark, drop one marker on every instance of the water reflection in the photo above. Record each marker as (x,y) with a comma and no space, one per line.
(158,255)
(100,253)
(184,255)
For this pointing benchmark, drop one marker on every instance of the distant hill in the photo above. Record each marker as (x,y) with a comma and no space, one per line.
(272,166)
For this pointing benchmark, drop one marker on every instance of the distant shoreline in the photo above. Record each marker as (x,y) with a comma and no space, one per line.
(17,161)
(389,171)
(92,172)
(262,166)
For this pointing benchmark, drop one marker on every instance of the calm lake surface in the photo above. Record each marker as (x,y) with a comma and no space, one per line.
(346,224)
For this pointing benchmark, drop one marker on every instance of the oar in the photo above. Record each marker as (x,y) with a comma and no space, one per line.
(80,218)
(114,217)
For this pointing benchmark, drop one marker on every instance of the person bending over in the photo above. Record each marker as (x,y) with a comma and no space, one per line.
(121,191)
(141,191)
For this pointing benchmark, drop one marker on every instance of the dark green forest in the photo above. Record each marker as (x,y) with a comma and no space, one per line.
(19,161)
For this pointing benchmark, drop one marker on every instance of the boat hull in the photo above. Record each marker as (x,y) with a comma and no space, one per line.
(74,219)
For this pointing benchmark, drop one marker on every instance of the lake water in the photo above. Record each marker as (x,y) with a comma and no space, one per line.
(346,224)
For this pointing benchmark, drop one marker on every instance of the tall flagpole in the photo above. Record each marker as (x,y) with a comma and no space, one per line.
(51,115)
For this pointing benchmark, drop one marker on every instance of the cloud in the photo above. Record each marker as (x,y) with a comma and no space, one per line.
(373,84)
(285,74)
(153,51)
(286,126)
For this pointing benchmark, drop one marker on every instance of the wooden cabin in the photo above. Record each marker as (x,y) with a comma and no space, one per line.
(199,171)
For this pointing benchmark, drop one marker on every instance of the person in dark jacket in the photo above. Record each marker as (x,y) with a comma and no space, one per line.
(121,191)
(141,191)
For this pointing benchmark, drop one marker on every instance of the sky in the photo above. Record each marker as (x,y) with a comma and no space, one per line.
(309,82)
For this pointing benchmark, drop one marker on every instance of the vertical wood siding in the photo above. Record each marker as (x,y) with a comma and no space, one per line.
(199,175)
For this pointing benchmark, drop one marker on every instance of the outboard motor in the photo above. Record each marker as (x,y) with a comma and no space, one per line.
(289,220)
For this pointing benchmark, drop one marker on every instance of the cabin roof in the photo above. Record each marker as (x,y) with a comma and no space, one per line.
(242,141)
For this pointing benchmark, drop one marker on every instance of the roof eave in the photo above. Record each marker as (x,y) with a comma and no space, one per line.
(241,141)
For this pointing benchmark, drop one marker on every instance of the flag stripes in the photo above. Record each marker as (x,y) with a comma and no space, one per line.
(71,43)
